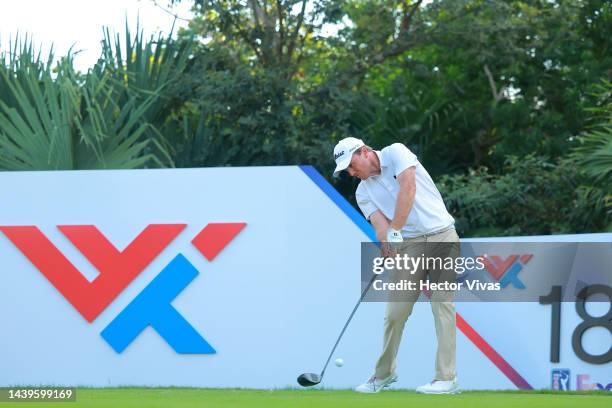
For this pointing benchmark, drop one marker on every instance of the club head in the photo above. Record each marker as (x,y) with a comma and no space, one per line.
(308,379)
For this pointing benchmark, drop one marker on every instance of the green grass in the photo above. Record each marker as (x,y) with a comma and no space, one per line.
(223,398)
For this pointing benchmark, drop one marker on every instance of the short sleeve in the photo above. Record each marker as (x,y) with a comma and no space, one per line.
(363,201)
(400,157)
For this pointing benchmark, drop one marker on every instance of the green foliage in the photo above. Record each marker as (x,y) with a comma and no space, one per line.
(110,117)
(517,74)
(593,155)
(57,120)
(532,196)
(493,96)
(144,68)
(414,117)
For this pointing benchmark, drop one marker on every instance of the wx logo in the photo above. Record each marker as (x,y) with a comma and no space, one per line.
(117,269)
(506,271)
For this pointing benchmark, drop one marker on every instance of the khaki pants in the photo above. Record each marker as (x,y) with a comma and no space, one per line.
(399,309)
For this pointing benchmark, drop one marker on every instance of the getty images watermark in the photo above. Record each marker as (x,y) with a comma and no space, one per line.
(486,271)
(413,264)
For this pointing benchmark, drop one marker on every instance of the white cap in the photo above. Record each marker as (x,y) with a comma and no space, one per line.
(344,151)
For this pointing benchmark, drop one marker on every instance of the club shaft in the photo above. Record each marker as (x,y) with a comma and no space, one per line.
(347,323)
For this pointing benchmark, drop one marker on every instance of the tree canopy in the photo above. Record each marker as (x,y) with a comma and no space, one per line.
(506,103)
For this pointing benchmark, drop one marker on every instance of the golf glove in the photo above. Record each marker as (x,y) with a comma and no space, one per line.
(394,235)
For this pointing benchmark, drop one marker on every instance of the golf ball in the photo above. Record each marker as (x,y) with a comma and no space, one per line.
(339,362)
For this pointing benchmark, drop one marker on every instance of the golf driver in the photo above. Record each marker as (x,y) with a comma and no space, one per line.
(310,379)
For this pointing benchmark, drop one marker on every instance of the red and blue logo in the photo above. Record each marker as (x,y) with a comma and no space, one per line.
(506,271)
(117,269)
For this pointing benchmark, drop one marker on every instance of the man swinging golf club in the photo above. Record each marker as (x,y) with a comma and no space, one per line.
(399,198)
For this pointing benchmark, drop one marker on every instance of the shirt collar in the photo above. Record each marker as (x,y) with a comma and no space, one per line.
(383,162)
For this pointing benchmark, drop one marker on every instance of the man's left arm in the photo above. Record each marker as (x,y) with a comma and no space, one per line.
(405,197)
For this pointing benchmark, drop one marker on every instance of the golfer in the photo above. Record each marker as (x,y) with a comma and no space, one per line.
(399,198)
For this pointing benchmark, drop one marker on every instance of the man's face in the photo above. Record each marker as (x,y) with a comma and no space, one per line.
(360,165)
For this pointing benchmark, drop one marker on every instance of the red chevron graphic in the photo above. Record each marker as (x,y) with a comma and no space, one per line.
(215,236)
(496,266)
(117,268)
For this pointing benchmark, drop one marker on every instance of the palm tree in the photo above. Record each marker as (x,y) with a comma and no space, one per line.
(594,154)
(53,118)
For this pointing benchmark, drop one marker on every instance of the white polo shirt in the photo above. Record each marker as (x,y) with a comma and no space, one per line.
(428,214)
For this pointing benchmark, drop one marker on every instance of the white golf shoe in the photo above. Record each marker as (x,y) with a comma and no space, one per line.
(374,384)
(440,387)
